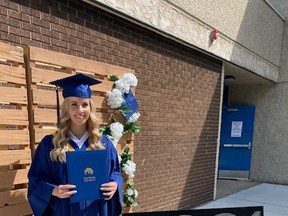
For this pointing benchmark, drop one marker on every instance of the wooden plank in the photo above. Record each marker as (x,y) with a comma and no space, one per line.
(45,116)
(13,197)
(40,75)
(14,177)
(13,95)
(100,102)
(45,76)
(11,53)
(29,98)
(105,86)
(77,63)
(13,137)
(104,117)
(12,74)
(9,157)
(40,133)
(46,97)
(16,210)
(14,117)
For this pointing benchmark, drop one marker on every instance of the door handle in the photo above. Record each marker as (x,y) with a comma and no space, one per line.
(238,145)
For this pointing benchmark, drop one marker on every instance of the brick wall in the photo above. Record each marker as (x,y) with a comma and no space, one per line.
(178,92)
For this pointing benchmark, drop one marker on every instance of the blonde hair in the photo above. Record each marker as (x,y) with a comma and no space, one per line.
(61,139)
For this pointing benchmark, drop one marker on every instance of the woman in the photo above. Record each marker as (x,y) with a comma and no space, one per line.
(48,190)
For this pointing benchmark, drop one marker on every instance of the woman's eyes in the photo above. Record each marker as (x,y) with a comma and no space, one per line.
(84,105)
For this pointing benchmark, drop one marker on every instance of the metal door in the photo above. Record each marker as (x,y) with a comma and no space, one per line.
(236,142)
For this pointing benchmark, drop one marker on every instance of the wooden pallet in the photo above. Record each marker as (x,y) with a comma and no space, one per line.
(44,66)
(28,112)
(15,154)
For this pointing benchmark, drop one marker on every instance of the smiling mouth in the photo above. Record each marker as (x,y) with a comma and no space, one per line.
(79,116)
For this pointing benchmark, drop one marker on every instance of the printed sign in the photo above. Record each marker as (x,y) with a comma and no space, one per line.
(236,128)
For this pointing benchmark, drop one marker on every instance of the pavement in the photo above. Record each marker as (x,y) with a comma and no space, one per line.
(273,197)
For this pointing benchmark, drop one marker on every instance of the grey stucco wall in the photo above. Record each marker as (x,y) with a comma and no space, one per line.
(270,141)
(252,23)
(250,31)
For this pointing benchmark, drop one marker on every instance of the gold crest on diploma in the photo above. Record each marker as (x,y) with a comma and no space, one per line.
(89,171)
(89,175)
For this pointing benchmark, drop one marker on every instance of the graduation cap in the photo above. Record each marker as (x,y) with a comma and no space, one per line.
(77,85)
(130,103)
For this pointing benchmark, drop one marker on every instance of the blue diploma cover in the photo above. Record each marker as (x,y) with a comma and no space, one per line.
(87,170)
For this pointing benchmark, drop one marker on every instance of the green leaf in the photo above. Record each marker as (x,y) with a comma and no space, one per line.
(130,200)
(127,126)
(113,78)
(126,150)
(135,129)
(105,130)
(122,112)
(134,204)
(102,129)
(125,160)
(130,185)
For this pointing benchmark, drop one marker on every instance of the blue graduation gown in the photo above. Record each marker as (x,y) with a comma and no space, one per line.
(45,174)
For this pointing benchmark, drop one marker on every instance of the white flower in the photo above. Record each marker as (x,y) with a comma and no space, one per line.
(129,168)
(122,85)
(134,117)
(116,130)
(135,193)
(119,158)
(129,192)
(115,98)
(130,78)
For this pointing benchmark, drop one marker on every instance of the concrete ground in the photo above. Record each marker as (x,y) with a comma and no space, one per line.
(226,187)
(231,193)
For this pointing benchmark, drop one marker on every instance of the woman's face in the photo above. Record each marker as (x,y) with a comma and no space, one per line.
(79,110)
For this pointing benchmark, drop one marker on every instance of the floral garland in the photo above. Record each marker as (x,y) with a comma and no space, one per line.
(116,99)
(130,194)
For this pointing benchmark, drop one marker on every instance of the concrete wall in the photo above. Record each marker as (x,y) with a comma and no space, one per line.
(269,152)
(252,23)
(247,22)
(270,145)
(250,36)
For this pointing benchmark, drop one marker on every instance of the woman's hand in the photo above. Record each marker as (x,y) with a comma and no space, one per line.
(109,189)
(63,191)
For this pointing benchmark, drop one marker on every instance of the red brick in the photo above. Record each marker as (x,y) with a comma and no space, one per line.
(3,11)
(40,22)
(20,32)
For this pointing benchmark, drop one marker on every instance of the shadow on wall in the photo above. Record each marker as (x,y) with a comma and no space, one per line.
(200,174)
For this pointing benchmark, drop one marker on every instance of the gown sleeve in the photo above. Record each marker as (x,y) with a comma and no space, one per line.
(40,186)
(115,204)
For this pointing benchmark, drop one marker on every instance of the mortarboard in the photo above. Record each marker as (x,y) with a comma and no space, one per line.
(77,85)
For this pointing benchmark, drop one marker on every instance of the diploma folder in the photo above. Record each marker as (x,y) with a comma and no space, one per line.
(87,170)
